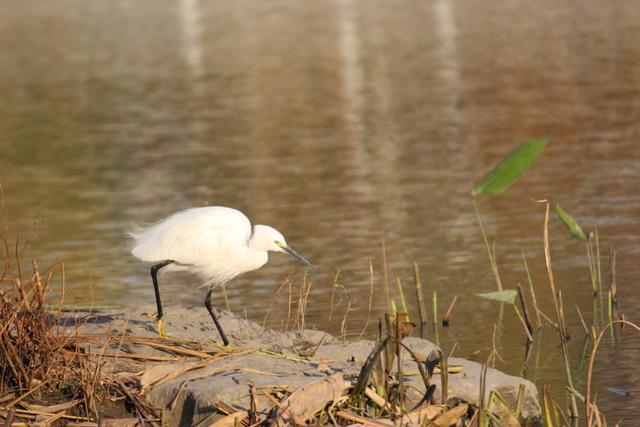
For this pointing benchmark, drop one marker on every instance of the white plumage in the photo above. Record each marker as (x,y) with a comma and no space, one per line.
(184,235)
(216,242)
(210,241)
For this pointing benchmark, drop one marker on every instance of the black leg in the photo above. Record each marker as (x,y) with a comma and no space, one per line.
(154,277)
(207,303)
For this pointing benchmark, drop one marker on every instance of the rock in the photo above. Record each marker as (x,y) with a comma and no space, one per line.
(304,356)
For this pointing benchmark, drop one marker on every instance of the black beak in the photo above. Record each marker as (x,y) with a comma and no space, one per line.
(296,255)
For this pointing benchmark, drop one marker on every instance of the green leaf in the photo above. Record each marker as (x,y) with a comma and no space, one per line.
(572,225)
(508,296)
(510,168)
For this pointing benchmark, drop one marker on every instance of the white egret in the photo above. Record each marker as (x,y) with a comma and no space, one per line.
(215,242)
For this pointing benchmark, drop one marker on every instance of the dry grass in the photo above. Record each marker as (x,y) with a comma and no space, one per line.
(46,375)
(32,353)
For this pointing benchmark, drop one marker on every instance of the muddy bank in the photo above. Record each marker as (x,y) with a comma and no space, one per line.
(188,384)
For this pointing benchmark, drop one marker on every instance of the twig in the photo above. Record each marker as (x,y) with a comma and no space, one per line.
(33,414)
(24,396)
(147,410)
(362,420)
(139,356)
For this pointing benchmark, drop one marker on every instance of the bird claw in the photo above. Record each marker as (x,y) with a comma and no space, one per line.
(160,328)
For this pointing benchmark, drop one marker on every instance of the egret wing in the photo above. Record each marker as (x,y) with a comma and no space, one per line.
(192,237)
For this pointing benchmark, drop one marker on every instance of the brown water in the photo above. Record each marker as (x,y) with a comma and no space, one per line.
(343,124)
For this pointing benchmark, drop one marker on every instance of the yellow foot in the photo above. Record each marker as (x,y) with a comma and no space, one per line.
(160,328)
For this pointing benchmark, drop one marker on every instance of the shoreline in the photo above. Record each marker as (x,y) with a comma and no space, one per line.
(183,375)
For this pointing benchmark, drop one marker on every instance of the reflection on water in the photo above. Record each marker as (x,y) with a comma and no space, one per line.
(343,124)
(191,29)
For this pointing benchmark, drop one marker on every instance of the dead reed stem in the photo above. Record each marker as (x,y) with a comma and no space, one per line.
(559,313)
(273,300)
(400,317)
(435,309)
(303,296)
(445,319)
(402,298)
(333,293)
(593,259)
(584,325)
(386,276)
(612,274)
(532,290)
(598,263)
(548,319)
(366,325)
(304,301)
(343,325)
(422,311)
(524,323)
(444,376)
(482,393)
(525,312)
(435,318)
(286,328)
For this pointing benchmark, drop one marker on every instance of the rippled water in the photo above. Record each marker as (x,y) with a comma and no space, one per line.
(344,124)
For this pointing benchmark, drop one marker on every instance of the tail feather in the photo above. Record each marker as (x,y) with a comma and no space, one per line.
(133,235)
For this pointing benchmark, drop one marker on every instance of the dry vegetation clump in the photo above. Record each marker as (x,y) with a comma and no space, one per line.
(45,375)
(31,352)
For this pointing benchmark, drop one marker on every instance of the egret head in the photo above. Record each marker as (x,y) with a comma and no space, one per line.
(269,239)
